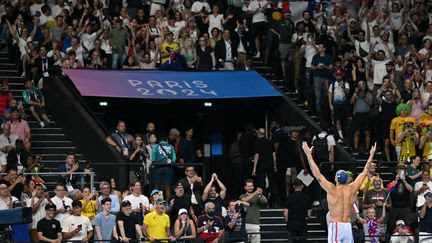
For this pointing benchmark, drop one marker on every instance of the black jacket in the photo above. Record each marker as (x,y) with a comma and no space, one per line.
(244,38)
(220,51)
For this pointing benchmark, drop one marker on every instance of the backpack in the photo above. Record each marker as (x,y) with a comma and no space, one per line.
(320,150)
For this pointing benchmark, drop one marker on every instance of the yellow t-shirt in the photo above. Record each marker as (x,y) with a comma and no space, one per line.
(163,50)
(425,118)
(427,148)
(90,210)
(397,125)
(408,147)
(157,225)
(371,184)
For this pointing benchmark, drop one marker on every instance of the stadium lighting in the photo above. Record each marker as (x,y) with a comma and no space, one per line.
(208,104)
(103,103)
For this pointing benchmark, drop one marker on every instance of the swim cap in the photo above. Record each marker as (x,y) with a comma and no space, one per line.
(341,176)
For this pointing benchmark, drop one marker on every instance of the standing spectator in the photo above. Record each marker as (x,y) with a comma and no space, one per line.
(20,127)
(338,100)
(76,226)
(414,171)
(187,152)
(324,149)
(425,215)
(373,223)
(70,166)
(375,198)
(178,201)
(205,56)
(401,198)
(138,156)
(128,226)
(38,203)
(35,100)
(169,48)
(242,39)
(422,187)
(210,194)
(408,139)
(156,225)
(286,31)
(226,52)
(193,187)
(210,227)
(321,64)
(296,213)
(14,182)
(49,228)
(362,100)
(89,204)
(256,8)
(379,69)
(105,223)
(397,126)
(256,200)
(62,203)
(139,203)
(236,165)
(235,224)
(163,153)
(184,227)
(264,163)
(119,38)
(105,190)
(121,140)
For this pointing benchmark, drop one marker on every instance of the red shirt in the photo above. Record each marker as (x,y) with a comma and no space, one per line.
(4,100)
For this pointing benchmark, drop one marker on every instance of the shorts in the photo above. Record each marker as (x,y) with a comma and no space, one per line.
(340,112)
(285,50)
(259,29)
(340,232)
(38,109)
(163,176)
(361,122)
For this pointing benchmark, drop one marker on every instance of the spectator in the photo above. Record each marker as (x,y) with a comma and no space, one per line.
(408,139)
(119,38)
(362,100)
(14,182)
(7,143)
(18,157)
(206,59)
(373,223)
(157,224)
(397,126)
(296,214)
(338,99)
(186,150)
(184,228)
(49,228)
(235,224)
(210,227)
(163,153)
(414,171)
(138,155)
(6,199)
(63,204)
(168,49)
(121,140)
(425,215)
(76,226)
(20,127)
(38,203)
(256,8)
(106,193)
(193,187)
(89,204)
(422,187)
(105,223)
(210,194)
(45,66)
(402,234)
(70,167)
(178,201)
(321,64)
(401,198)
(242,37)
(375,198)
(226,52)
(256,200)
(128,226)
(139,203)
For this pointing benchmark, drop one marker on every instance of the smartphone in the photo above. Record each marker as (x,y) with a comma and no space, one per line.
(79,226)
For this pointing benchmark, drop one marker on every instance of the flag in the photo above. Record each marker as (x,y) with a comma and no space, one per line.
(391,187)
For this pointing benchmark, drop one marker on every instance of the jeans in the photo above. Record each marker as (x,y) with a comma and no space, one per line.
(4,34)
(319,91)
(117,59)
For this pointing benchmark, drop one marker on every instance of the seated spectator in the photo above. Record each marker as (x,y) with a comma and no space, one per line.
(422,187)
(6,199)
(89,204)
(128,226)
(49,228)
(139,203)
(178,201)
(70,166)
(76,226)
(114,191)
(105,192)
(210,227)
(13,103)
(147,62)
(414,171)
(18,157)
(184,227)
(105,223)
(156,225)
(62,203)
(163,153)
(5,97)
(35,100)
(425,215)
(375,197)
(121,140)
(14,182)
(7,144)
(71,61)
(20,127)
(38,203)
(235,224)
(210,194)
(403,234)
(130,63)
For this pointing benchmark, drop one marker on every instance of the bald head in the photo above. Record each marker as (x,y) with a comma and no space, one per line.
(6,129)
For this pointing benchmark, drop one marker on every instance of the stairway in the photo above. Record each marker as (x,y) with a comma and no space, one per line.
(51,142)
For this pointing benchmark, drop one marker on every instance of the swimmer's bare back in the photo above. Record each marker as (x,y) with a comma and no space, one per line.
(340,197)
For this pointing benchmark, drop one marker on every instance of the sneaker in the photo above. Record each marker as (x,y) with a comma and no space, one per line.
(339,141)
(315,203)
(257,55)
(42,124)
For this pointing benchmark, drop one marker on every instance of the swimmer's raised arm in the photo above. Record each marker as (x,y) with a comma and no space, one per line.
(360,178)
(326,185)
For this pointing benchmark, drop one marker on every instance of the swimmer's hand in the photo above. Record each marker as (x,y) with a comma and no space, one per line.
(362,221)
(373,149)
(306,149)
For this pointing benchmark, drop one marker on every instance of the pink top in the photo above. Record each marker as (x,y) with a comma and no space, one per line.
(416,109)
(20,128)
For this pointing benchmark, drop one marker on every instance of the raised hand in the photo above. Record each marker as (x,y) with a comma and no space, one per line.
(307,149)
(373,149)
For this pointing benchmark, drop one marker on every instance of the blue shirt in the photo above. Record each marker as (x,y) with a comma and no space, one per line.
(73,179)
(326,60)
(123,139)
(115,205)
(106,226)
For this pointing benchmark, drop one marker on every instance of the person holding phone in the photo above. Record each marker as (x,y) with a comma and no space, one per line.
(184,227)
(77,227)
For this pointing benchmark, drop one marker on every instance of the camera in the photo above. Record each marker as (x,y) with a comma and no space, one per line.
(238,208)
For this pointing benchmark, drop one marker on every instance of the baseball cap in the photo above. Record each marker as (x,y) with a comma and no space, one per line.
(160,201)
(400,222)
(178,184)
(126,203)
(341,176)
(182,211)
(155,191)
(338,73)
(50,206)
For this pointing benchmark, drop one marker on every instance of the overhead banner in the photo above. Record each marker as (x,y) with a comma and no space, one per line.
(170,85)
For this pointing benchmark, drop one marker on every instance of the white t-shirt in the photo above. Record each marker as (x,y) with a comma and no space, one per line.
(72,222)
(259,16)
(309,52)
(88,40)
(3,204)
(339,96)
(365,45)
(396,20)
(390,48)
(135,201)
(215,22)
(59,204)
(420,197)
(330,140)
(40,212)
(36,8)
(197,7)
(379,71)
